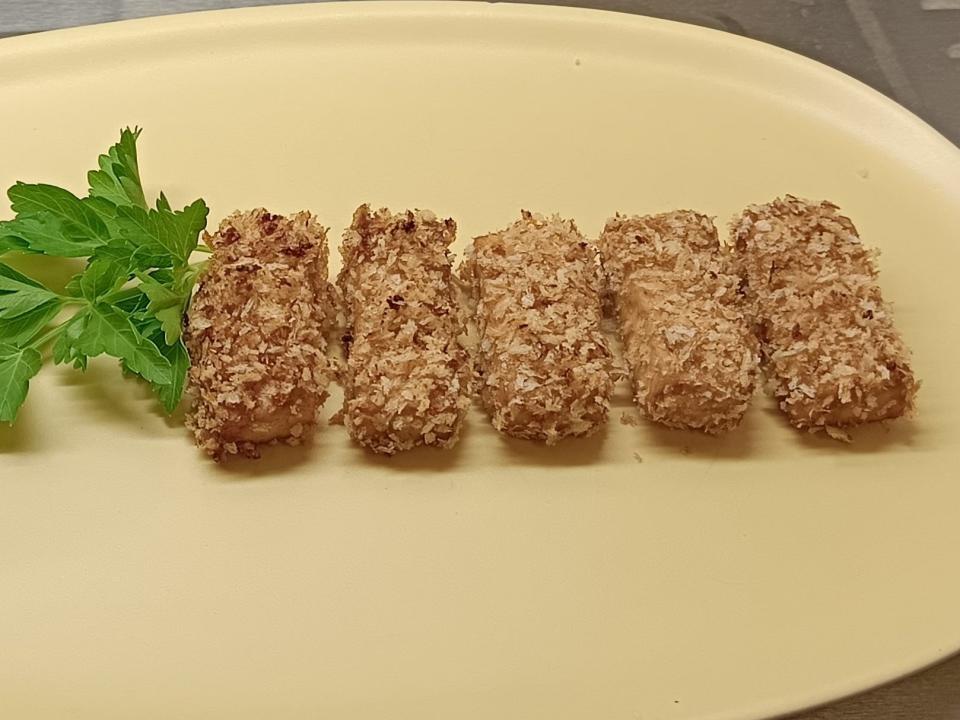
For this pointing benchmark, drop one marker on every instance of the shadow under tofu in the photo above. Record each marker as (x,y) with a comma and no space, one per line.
(570,452)
(275,461)
(735,444)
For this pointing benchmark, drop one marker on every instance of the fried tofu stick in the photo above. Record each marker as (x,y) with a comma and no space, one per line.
(829,345)
(408,375)
(545,364)
(255,333)
(689,348)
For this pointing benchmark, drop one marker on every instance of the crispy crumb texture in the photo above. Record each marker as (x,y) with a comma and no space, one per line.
(545,365)
(408,374)
(689,347)
(255,333)
(829,345)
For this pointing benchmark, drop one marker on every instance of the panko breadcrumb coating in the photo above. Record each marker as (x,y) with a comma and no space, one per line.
(545,364)
(255,333)
(408,375)
(690,350)
(829,345)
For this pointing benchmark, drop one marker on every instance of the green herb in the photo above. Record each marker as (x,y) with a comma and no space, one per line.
(130,299)
(17,366)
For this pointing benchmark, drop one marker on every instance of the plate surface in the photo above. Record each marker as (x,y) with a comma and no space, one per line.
(640,574)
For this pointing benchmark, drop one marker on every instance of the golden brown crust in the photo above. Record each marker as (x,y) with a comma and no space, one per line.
(545,364)
(407,378)
(690,350)
(255,328)
(829,345)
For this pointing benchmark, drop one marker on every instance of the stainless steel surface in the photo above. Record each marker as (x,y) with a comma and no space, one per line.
(907,49)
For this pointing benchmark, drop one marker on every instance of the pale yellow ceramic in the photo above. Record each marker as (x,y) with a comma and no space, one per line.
(639,574)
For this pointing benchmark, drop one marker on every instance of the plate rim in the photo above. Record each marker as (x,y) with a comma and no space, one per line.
(13,48)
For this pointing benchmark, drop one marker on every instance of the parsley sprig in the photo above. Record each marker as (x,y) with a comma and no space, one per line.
(131,297)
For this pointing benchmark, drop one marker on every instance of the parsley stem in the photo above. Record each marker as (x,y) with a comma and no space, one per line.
(48,335)
(121,294)
(197,268)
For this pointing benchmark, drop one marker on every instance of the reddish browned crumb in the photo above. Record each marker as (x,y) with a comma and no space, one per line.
(255,333)
(545,364)
(408,375)
(691,353)
(828,340)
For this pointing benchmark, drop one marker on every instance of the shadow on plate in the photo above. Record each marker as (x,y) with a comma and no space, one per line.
(275,461)
(106,400)
(280,459)
(737,444)
(21,437)
(105,397)
(572,452)
(53,272)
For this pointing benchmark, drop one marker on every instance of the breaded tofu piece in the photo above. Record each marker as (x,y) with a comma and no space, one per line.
(690,350)
(408,375)
(829,344)
(255,333)
(545,365)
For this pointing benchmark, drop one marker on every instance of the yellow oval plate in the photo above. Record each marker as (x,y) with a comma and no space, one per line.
(640,574)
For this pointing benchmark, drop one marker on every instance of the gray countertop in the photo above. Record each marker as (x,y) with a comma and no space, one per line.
(907,49)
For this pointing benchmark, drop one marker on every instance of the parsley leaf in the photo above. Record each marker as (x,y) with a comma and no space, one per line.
(21,329)
(133,256)
(130,299)
(8,241)
(162,231)
(54,221)
(66,349)
(101,277)
(118,179)
(106,211)
(19,294)
(17,366)
(169,395)
(165,305)
(107,330)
